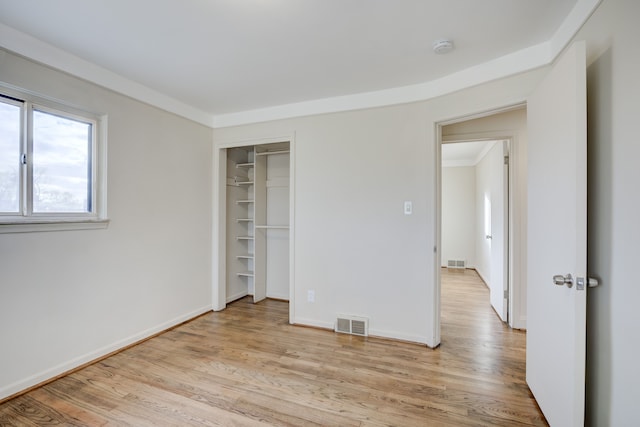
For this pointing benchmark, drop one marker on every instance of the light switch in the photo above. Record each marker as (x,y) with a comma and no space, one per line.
(408,208)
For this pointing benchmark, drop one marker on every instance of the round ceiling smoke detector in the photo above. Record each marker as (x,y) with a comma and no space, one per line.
(442,46)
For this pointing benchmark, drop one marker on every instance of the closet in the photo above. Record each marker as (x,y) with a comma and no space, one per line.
(257,222)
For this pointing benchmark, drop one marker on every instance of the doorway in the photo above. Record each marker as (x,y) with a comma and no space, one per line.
(508,124)
(475,214)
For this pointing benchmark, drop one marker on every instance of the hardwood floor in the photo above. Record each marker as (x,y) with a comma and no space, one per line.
(248,366)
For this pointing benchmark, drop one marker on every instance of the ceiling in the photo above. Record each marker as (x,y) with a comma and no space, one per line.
(221,57)
(465,153)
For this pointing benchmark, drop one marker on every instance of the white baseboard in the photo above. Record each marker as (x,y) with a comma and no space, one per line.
(486,282)
(283,297)
(95,355)
(313,323)
(520,323)
(399,336)
(372,332)
(237,296)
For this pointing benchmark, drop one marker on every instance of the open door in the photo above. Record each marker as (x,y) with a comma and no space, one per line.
(557,238)
(260,236)
(499,217)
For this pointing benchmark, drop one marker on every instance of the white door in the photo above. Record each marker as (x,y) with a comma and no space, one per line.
(499,230)
(260,234)
(556,236)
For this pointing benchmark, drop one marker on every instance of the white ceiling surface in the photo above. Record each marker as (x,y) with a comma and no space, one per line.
(210,58)
(465,153)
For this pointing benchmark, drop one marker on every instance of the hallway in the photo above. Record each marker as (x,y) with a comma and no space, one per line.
(483,346)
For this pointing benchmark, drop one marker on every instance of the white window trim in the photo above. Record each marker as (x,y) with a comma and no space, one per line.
(97,219)
(57,225)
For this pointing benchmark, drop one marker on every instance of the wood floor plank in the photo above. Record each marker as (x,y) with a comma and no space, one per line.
(247,366)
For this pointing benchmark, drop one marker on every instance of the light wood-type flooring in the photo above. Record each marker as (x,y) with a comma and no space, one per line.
(247,366)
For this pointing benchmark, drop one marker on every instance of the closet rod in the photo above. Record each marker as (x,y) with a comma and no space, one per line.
(245,165)
(267,153)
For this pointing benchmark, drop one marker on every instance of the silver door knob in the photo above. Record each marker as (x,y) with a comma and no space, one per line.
(589,281)
(560,280)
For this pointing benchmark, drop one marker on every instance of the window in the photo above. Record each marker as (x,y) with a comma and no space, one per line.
(49,168)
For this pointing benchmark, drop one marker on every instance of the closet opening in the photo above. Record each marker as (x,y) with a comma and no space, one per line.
(253,226)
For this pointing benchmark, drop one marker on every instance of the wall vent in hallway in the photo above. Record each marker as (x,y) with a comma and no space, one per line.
(456,263)
(352,325)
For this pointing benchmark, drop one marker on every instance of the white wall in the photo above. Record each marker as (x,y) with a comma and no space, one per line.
(69,297)
(613,318)
(353,171)
(458,205)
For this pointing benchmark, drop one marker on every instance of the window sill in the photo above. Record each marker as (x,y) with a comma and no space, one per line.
(52,225)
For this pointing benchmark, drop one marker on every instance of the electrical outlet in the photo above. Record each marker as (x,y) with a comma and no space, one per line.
(311,296)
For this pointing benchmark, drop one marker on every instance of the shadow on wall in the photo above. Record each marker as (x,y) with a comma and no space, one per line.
(599,244)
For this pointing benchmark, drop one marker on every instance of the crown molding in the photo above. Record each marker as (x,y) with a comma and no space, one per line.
(580,13)
(458,163)
(518,62)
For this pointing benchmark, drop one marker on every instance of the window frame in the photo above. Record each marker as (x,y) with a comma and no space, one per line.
(28,221)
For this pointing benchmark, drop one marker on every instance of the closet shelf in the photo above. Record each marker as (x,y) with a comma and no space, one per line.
(273,227)
(244,237)
(245,165)
(245,273)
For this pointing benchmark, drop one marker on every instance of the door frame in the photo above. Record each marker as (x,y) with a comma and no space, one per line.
(515,237)
(219,226)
